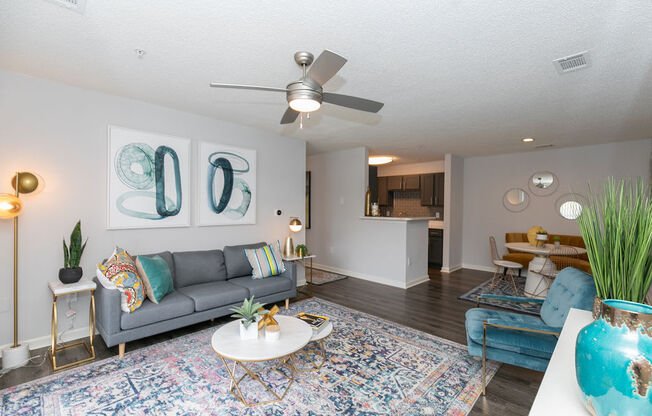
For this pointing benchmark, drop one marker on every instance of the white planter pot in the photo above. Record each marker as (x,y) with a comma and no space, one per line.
(251,332)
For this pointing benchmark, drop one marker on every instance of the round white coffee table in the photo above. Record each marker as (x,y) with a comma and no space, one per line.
(226,342)
(537,284)
(319,350)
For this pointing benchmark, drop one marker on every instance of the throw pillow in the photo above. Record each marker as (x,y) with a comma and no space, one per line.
(120,272)
(266,261)
(156,277)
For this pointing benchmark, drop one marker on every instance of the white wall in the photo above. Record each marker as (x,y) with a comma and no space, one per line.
(487,178)
(60,132)
(453,209)
(434,166)
(374,250)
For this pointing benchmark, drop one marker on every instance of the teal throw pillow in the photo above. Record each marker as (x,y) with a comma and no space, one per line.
(156,276)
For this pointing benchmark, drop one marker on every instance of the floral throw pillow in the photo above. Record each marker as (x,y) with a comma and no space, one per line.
(120,272)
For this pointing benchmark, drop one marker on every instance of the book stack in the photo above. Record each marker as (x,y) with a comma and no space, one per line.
(316,322)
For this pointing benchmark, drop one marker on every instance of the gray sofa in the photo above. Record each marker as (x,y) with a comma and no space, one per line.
(207,284)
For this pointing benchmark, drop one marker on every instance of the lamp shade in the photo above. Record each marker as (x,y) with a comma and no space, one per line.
(28,183)
(10,206)
(295,225)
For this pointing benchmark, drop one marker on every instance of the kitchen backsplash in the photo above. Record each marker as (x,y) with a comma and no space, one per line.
(408,204)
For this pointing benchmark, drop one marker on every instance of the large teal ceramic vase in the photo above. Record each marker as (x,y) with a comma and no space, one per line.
(613,359)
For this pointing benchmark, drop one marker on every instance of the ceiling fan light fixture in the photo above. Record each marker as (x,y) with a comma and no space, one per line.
(304,105)
(380,160)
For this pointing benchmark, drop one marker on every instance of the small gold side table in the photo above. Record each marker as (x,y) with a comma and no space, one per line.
(59,289)
(301,294)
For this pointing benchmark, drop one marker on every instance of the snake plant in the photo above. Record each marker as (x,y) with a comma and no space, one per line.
(72,255)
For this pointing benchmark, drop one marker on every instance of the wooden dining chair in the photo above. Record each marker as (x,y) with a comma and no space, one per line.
(505,269)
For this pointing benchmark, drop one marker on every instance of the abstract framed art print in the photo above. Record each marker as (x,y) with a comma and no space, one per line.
(148,180)
(226,185)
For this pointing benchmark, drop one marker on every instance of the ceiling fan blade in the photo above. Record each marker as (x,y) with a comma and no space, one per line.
(246,87)
(325,66)
(352,102)
(289,116)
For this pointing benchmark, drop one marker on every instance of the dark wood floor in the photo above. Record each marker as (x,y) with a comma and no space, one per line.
(510,393)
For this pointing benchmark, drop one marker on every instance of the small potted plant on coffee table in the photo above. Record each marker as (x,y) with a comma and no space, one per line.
(542,237)
(71,272)
(249,313)
(556,240)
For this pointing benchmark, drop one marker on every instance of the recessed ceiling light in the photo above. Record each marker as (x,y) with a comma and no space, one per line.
(139,52)
(380,160)
(527,140)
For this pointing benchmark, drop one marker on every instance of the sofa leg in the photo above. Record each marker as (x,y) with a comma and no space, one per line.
(121,350)
(287,303)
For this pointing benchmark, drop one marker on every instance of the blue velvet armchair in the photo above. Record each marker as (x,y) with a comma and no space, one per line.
(525,340)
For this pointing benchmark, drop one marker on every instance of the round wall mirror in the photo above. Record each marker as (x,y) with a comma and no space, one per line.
(570,205)
(543,183)
(516,200)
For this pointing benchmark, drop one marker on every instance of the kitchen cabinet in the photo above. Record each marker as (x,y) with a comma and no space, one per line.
(383,194)
(435,247)
(394,183)
(432,189)
(411,183)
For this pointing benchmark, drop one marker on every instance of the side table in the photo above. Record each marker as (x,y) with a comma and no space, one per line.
(302,260)
(59,289)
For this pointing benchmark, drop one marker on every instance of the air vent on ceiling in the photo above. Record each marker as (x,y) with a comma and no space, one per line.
(544,146)
(573,63)
(76,5)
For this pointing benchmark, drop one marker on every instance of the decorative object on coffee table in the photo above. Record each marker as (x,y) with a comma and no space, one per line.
(542,237)
(11,206)
(247,315)
(59,289)
(614,353)
(228,346)
(268,317)
(71,272)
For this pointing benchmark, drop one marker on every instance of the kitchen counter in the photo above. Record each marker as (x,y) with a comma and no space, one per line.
(398,218)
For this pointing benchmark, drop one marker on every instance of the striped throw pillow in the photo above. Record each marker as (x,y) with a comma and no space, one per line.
(265,261)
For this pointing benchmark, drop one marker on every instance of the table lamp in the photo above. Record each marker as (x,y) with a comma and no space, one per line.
(288,247)
(10,207)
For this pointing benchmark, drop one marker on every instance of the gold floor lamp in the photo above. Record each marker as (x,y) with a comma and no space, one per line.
(10,207)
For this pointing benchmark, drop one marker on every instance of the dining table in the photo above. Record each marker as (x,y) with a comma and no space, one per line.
(538,278)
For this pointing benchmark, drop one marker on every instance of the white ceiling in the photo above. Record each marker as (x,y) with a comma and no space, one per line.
(466,77)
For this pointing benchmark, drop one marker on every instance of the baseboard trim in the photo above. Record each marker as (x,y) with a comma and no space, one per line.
(479,267)
(417,281)
(371,278)
(451,269)
(44,341)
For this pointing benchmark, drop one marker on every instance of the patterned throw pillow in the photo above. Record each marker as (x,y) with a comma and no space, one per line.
(119,272)
(266,261)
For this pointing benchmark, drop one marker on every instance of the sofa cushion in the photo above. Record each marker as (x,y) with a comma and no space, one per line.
(165,255)
(156,277)
(236,261)
(195,267)
(172,306)
(120,272)
(263,287)
(266,261)
(215,294)
(571,288)
(520,342)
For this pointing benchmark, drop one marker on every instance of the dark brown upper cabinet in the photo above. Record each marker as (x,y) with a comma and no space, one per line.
(394,183)
(432,189)
(411,183)
(383,195)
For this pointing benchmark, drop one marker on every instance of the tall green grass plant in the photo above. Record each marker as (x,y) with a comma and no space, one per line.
(616,225)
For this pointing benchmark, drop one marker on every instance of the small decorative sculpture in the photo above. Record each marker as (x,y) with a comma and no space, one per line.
(268,318)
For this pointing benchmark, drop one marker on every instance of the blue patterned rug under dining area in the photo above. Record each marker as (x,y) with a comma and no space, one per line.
(502,288)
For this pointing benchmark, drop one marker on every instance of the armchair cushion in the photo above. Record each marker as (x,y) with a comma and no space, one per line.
(510,298)
(520,342)
(571,288)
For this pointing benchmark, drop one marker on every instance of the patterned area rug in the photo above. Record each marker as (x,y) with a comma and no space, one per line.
(374,367)
(321,277)
(503,288)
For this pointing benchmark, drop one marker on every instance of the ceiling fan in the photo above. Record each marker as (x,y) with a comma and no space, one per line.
(306,94)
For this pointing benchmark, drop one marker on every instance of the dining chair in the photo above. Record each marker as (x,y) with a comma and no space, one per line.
(509,268)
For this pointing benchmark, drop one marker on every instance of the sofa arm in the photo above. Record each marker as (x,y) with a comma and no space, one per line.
(290,271)
(108,311)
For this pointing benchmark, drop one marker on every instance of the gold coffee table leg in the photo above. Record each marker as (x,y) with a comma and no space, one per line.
(319,351)
(235,382)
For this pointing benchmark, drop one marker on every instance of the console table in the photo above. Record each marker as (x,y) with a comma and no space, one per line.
(559,393)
